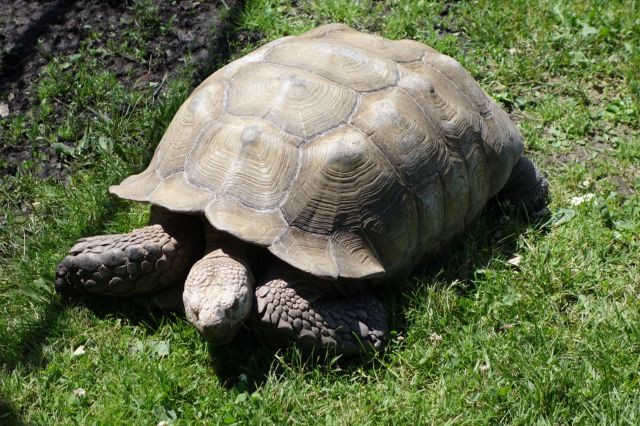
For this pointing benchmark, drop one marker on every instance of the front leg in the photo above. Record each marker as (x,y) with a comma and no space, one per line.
(292,307)
(142,261)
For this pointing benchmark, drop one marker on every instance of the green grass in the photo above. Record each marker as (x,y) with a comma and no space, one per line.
(553,340)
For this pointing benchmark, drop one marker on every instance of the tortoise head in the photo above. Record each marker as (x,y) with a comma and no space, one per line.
(218,295)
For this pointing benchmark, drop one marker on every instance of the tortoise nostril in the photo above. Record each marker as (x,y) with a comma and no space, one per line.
(195,312)
(234,305)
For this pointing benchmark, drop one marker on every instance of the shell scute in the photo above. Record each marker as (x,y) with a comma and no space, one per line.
(298,102)
(245,159)
(344,64)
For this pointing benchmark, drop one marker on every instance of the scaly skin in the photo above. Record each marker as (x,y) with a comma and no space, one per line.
(291,308)
(140,262)
(527,187)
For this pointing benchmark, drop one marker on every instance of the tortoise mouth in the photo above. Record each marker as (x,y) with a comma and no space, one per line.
(219,333)
(217,324)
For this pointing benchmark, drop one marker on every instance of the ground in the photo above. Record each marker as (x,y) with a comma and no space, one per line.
(514,324)
(141,43)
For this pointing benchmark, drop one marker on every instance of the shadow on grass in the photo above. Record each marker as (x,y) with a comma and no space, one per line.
(226,39)
(8,414)
(246,362)
(12,62)
(493,235)
(28,349)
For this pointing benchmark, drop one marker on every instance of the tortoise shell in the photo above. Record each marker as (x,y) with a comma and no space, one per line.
(343,153)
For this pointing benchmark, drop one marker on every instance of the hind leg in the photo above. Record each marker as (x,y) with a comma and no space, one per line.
(527,187)
(290,308)
(142,261)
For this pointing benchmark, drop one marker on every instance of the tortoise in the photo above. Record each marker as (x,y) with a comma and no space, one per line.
(296,179)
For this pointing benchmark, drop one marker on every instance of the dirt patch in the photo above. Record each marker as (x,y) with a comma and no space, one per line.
(34,31)
(625,188)
(587,155)
(582,154)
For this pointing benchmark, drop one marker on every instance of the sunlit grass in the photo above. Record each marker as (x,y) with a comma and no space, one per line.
(477,339)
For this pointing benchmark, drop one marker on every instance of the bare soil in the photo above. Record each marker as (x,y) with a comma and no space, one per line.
(34,31)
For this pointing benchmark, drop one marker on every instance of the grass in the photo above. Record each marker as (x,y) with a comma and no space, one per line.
(552,340)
